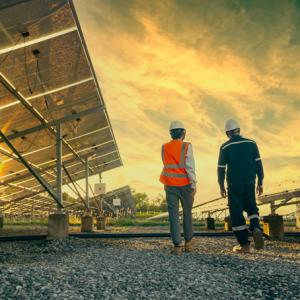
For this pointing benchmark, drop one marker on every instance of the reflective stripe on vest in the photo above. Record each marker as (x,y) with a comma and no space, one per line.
(174,175)
(182,161)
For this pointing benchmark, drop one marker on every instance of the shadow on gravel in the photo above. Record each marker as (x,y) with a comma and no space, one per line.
(213,246)
(52,250)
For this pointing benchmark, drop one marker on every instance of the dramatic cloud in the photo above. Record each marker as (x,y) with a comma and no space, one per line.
(201,62)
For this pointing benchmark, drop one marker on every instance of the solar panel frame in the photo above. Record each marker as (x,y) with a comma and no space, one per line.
(85,135)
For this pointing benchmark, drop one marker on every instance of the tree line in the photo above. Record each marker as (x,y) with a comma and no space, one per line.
(144,204)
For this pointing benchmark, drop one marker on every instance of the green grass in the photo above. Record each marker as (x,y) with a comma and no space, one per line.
(139,222)
(42,222)
(289,223)
(145,215)
(136,222)
(26,221)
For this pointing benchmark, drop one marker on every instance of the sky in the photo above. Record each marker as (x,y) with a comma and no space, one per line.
(201,62)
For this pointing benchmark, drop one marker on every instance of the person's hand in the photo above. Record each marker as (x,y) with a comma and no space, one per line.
(259,190)
(223,193)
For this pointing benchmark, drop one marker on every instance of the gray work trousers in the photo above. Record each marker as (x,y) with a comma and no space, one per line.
(174,194)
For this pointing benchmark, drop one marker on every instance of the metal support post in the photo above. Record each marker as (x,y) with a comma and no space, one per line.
(100,196)
(273,208)
(59,164)
(87,198)
(298,215)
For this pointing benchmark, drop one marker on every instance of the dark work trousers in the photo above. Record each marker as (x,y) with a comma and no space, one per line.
(174,194)
(241,197)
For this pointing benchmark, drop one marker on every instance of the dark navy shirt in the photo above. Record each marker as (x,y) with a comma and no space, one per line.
(239,158)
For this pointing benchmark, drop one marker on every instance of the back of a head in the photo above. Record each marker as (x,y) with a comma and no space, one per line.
(176,133)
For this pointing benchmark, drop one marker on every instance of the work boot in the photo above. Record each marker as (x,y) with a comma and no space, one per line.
(242,249)
(189,245)
(177,249)
(258,239)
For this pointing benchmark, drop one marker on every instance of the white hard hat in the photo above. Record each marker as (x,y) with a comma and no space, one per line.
(176,125)
(231,125)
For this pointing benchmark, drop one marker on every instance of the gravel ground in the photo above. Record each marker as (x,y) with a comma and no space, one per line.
(145,269)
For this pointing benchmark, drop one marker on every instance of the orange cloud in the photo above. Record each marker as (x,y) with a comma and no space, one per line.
(201,64)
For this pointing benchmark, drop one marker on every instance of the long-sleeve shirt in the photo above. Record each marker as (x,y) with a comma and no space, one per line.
(190,166)
(242,159)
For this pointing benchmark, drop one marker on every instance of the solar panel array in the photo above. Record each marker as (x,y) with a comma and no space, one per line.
(124,194)
(47,76)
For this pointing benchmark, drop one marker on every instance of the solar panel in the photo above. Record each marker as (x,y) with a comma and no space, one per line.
(47,78)
(124,194)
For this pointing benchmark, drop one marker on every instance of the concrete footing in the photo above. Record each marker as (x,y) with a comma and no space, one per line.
(87,223)
(101,223)
(273,227)
(210,223)
(227,224)
(58,225)
(1,221)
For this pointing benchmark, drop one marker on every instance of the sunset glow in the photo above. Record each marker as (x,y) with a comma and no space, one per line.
(201,62)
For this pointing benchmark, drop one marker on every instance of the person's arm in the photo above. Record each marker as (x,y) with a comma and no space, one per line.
(190,167)
(259,170)
(221,172)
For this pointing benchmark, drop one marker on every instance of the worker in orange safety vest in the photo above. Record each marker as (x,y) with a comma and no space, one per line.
(179,179)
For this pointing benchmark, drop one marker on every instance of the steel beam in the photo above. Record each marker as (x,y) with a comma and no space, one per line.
(165,215)
(25,198)
(24,176)
(20,187)
(10,87)
(42,191)
(212,211)
(97,166)
(54,123)
(48,92)
(38,177)
(75,187)
(279,196)
(15,157)
(38,40)
(286,204)
(80,34)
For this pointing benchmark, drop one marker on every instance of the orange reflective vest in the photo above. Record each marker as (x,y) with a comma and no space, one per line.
(174,157)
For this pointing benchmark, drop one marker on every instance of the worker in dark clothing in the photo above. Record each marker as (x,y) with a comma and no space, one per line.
(239,158)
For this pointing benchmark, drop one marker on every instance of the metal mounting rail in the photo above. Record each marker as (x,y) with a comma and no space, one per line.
(14,238)
(75,187)
(144,235)
(8,85)
(166,215)
(129,235)
(38,177)
(285,195)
